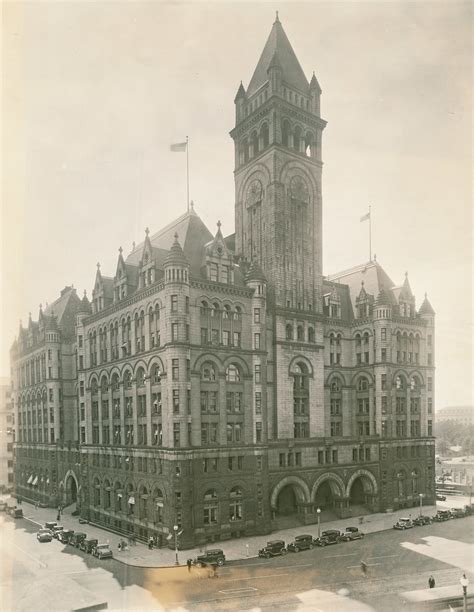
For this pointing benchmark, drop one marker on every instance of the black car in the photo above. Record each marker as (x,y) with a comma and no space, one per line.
(440,497)
(65,535)
(216,555)
(88,545)
(458,512)
(77,538)
(351,533)
(274,548)
(442,515)
(302,542)
(331,536)
(422,520)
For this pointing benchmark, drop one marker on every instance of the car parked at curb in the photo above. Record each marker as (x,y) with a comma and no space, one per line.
(49,525)
(330,536)
(65,535)
(56,530)
(422,520)
(44,535)
(102,551)
(442,515)
(274,548)
(214,555)
(88,545)
(301,542)
(403,523)
(457,512)
(440,497)
(351,533)
(77,538)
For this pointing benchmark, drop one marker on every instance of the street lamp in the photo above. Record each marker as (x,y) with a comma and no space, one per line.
(421,503)
(318,512)
(464,583)
(176,543)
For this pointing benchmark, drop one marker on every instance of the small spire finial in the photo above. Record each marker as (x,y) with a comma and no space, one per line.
(176,236)
(219,225)
(375,257)
(362,283)
(192,205)
(120,250)
(426,295)
(147,231)
(98,265)
(406,274)
(133,245)
(277,19)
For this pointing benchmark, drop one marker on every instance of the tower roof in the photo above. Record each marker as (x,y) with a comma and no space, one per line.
(255,273)
(426,307)
(278,48)
(176,255)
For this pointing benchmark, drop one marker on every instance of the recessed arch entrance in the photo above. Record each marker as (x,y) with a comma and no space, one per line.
(327,494)
(289,499)
(71,488)
(362,492)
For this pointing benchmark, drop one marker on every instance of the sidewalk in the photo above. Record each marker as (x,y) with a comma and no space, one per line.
(242,548)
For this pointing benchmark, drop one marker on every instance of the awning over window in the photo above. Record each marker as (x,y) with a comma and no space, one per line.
(30,479)
(35,481)
(131,499)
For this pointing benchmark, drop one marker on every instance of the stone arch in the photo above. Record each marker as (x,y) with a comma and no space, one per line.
(302,359)
(334,481)
(368,480)
(71,490)
(301,489)
(257,171)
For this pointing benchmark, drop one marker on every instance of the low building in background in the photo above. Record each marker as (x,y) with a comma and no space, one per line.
(7,436)
(464,415)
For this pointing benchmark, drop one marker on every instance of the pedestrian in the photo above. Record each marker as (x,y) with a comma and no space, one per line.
(214,570)
(189,563)
(363,567)
(58,518)
(120,546)
(36,505)
(431,582)
(155,541)
(150,543)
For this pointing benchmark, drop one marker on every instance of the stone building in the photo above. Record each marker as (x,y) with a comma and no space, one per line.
(7,436)
(224,385)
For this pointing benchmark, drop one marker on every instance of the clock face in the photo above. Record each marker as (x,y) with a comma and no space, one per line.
(254,193)
(299,189)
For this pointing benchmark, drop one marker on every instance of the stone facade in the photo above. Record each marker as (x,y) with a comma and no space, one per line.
(223,384)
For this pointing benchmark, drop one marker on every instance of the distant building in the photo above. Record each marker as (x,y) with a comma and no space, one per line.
(7,435)
(223,385)
(459,414)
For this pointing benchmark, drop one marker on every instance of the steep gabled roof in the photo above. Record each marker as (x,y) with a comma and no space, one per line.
(374,276)
(278,49)
(337,292)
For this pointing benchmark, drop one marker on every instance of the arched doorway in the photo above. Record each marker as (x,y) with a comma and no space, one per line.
(71,489)
(327,495)
(286,501)
(362,492)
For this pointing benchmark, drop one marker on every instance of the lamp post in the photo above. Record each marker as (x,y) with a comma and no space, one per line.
(318,512)
(464,583)
(421,503)
(176,544)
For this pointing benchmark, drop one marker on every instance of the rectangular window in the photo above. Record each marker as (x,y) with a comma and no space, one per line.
(226,337)
(383,333)
(174,303)
(256,342)
(175,401)
(258,432)
(256,315)
(237,338)
(175,369)
(430,340)
(259,462)
(187,332)
(240,462)
(258,402)
(204,433)
(430,384)
(215,336)
(224,274)
(186,303)
(334,456)
(80,340)
(320,457)
(282,460)
(176,435)
(367,454)
(203,335)
(230,463)
(213,272)
(174,332)
(383,382)
(383,354)
(213,434)
(257,376)
(384,404)
(430,359)
(430,405)
(354,454)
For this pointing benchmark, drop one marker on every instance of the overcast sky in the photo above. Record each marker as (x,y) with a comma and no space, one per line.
(95,92)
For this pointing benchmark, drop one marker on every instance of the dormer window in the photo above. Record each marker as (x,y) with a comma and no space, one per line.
(224,274)
(213,272)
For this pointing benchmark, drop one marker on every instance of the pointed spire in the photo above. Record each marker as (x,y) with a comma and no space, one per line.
(314,85)
(274,63)
(85,304)
(277,19)
(147,231)
(98,266)
(255,273)
(426,308)
(192,207)
(219,227)
(176,255)
(240,92)
(133,245)
(120,251)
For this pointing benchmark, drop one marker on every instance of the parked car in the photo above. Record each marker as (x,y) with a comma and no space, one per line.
(442,515)
(274,548)
(302,542)
(469,509)
(44,535)
(49,524)
(403,523)
(65,535)
(215,555)
(351,533)
(56,530)
(102,551)
(16,512)
(440,497)
(331,536)
(77,538)
(422,520)
(458,512)
(88,545)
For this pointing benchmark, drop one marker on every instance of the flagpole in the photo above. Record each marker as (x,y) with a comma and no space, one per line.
(187,171)
(370,234)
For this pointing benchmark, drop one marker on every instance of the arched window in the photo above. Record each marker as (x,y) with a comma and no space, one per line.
(204,308)
(115,382)
(208,372)
(226,312)
(96,486)
(155,374)
(140,377)
(363,384)
(309,145)
(245,150)
(363,407)
(130,495)
(232,374)
(415,383)
(311,337)
(235,505)
(215,310)
(285,133)
(400,383)
(336,407)
(301,400)
(336,386)
(143,503)
(211,508)
(300,333)
(118,497)
(159,502)
(107,489)
(127,379)
(289,331)
(264,135)
(104,386)
(297,139)
(238,313)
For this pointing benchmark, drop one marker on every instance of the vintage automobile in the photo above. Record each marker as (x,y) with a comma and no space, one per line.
(457,512)
(214,555)
(16,512)
(44,535)
(88,545)
(102,551)
(49,524)
(56,530)
(422,520)
(403,523)
(440,497)
(442,515)
(274,548)
(77,538)
(301,542)
(331,536)
(65,535)
(351,533)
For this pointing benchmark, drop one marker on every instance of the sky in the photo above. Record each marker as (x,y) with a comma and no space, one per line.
(94,93)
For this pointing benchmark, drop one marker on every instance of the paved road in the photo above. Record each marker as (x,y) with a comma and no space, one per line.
(397,561)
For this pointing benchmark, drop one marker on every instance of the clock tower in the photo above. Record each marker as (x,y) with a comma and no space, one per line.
(277,136)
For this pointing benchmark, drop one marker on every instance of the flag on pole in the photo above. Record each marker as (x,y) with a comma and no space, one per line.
(365,217)
(179,147)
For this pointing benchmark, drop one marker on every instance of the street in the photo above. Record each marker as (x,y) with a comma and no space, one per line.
(397,561)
